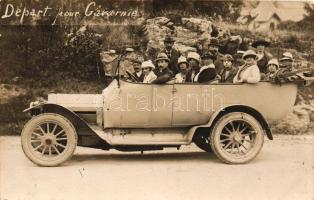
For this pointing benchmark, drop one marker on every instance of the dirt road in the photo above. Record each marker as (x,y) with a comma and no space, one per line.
(283,170)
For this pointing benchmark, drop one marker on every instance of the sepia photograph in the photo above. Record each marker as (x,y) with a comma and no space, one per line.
(156,99)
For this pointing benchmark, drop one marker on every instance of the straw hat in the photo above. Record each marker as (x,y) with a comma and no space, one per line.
(194,55)
(162,56)
(148,63)
(249,53)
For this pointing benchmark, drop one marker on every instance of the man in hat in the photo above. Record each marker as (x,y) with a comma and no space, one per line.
(138,73)
(172,53)
(194,60)
(249,72)
(164,74)
(262,55)
(286,61)
(213,48)
(185,73)
(229,70)
(285,66)
(207,72)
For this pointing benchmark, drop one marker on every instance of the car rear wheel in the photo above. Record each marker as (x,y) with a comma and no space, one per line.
(237,138)
(49,139)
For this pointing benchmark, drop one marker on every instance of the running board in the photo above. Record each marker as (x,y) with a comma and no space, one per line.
(158,136)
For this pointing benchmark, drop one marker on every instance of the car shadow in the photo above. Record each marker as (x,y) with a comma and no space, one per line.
(147,157)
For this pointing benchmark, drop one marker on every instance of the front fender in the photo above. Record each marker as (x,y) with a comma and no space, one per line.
(82,128)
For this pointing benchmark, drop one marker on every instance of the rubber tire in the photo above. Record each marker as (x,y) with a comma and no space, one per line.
(215,138)
(64,123)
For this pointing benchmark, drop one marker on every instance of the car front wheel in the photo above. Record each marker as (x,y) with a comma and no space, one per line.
(237,138)
(49,139)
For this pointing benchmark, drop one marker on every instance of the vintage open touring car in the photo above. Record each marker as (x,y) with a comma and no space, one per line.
(228,119)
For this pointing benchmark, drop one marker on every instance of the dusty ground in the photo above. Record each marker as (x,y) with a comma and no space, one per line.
(284,170)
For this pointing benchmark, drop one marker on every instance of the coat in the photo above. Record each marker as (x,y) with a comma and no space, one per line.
(262,62)
(139,78)
(163,76)
(179,78)
(173,55)
(228,75)
(151,76)
(248,74)
(219,66)
(206,74)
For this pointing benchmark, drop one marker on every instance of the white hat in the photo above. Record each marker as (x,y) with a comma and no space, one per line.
(249,53)
(182,59)
(273,62)
(148,63)
(195,56)
(286,56)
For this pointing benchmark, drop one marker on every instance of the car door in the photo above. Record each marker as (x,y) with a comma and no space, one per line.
(161,115)
(138,105)
(191,104)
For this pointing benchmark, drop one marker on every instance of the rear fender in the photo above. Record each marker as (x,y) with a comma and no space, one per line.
(234,108)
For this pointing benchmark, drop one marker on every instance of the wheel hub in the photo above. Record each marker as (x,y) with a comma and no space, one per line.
(49,140)
(237,137)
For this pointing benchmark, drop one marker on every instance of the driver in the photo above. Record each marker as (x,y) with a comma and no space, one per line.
(137,70)
(164,74)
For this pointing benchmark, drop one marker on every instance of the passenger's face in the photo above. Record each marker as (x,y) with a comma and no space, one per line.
(227,64)
(260,48)
(272,68)
(213,48)
(183,68)
(207,61)
(162,64)
(286,63)
(168,45)
(193,64)
(146,70)
(137,67)
(250,60)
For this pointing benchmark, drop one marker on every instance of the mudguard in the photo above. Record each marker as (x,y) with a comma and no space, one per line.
(81,127)
(234,108)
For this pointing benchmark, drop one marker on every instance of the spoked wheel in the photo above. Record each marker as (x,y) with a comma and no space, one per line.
(237,138)
(48,139)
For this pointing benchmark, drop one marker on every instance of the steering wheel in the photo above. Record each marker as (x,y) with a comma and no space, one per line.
(134,78)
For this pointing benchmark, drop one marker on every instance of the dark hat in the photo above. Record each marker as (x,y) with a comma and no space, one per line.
(214,42)
(169,39)
(136,60)
(260,42)
(208,55)
(228,57)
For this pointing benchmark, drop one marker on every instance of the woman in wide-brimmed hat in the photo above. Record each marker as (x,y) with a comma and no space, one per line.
(185,73)
(149,75)
(207,72)
(262,55)
(249,72)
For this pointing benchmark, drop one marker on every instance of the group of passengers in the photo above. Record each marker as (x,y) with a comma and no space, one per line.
(212,67)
